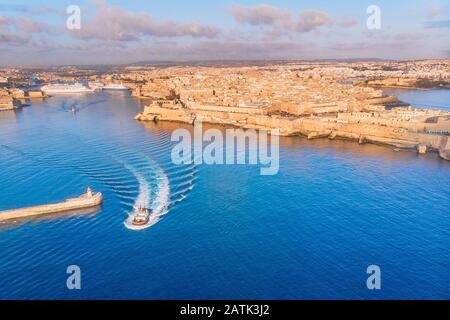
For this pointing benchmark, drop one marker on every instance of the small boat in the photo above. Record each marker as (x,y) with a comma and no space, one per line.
(141,217)
(73,110)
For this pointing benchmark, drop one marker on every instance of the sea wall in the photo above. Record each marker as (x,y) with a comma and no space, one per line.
(311,127)
(84,201)
(6,103)
(36,95)
(444,149)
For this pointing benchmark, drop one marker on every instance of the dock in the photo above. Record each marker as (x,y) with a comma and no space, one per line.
(87,200)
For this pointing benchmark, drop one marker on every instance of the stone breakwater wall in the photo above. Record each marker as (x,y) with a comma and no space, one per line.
(81,202)
(309,127)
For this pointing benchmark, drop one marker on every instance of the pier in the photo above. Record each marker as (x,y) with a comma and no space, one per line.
(87,200)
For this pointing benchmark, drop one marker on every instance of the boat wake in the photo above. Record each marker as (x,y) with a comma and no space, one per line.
(154,196)
(73,104)
(135,179)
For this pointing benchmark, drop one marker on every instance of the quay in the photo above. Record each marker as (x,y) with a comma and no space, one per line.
(87,200)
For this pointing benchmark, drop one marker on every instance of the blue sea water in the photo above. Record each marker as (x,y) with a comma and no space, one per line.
(428,99)
(309,232)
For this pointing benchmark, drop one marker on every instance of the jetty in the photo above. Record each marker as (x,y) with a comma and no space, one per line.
(87,200)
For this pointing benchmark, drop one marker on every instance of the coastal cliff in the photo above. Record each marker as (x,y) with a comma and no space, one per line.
(6,103)
(399,128)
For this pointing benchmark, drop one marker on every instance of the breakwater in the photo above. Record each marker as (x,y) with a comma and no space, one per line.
(84,201)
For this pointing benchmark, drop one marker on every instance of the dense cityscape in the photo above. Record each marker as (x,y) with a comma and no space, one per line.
(315,99)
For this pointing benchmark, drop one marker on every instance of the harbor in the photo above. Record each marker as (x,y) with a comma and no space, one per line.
(327,192)
(87,200)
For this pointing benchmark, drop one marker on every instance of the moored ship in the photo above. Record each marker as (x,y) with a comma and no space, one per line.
(115,87)
(66,89)
(96,85)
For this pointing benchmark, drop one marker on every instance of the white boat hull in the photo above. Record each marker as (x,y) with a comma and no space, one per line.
(66,89)
(50,92)
(115,89)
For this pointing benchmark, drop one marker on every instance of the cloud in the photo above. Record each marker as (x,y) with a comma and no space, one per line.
(6,37)
(400,42)
(262,14)
(312,19)
(354,46)
(113,34)
(18,31)
(114,23)
(24,25)
(12,38)
(5,21)
(30,26)
(348,22)
(437,24)
(229,50)
(409,36)
(434,11)
(26,9)
(201,50)
(279,22)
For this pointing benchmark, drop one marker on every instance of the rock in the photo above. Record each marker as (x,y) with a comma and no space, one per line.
(444,149)
(362,140)
(6,103)
(345,135)
(17,93)
(422,149)
(397,143)
(321,134)
(444,154)
(36,94)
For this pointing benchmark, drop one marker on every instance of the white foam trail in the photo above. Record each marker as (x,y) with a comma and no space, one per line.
(143,199)
(159,203)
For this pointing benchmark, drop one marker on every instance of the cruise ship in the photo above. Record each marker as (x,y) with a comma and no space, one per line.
(96,85)
(115,86)
(65,88)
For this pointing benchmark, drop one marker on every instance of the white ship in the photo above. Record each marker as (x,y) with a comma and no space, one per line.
(96,85)
(65,88)
(115,86)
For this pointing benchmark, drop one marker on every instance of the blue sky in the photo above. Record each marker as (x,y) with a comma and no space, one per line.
(114,31)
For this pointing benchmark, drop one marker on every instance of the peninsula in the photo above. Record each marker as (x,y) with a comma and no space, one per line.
(317,99)
(327,101)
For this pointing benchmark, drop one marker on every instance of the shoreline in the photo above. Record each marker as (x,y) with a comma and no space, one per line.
(408,88)
(309,127)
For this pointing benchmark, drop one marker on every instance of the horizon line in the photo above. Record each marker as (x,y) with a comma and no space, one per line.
(244,60)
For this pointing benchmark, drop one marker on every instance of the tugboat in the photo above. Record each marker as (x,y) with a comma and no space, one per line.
(142,216)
